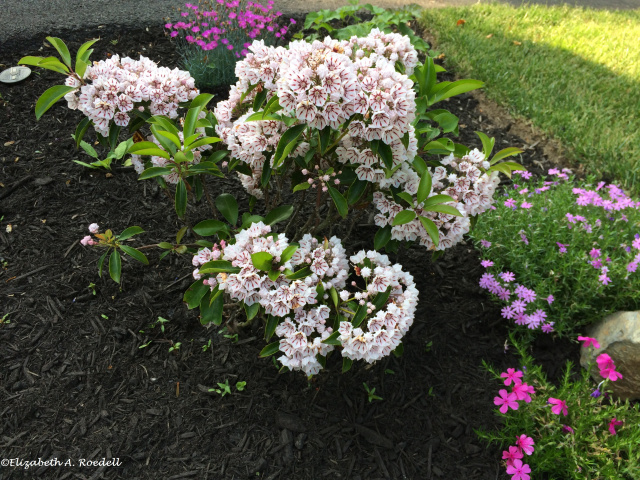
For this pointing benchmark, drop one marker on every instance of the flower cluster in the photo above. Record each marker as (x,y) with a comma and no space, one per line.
(381,330)
(88,240)
(112,88)
(388,299)
(514,456)
(465,182)
(519,391)
(223,24)
(503,287)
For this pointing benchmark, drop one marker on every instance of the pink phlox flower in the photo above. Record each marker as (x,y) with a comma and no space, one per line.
(595,252)
(486,263)
(519,306)
(547,327)
(523,237)
(507,312)
(526,205)
(523,191)
(485,243)
(636,243)
(558,406)
(504,294)
(588,341)
(600,185)
(506,400)
(613,424)
(550,299)
(603,278)
(597,264)
(607,367)
(632,267)
(525,443)
(514,453)
(507,276)
(527,295)
(519,471)
(567,429)
(562,247)
(512,375)
(510,203)
(523,391)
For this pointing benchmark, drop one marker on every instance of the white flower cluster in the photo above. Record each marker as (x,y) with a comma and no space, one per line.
(326,84)
(303,316)
(115,85)
(379,335)
(471,189)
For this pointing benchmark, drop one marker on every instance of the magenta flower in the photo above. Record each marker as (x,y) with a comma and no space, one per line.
(486,263)
(547,327)
(526,205)
(595,253)
(507,276)
(567,429)
(558,406)
(485,243)
(506,401)
(523,391)
(588,341)
(607,367)
(562,247)
(613,424)
(510,203)
(514,453)
(512,375)
(525,443)
(550,299)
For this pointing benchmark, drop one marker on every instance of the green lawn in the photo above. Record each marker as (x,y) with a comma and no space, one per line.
(574,72)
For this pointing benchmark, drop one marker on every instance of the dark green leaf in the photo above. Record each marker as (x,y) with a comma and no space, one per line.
(211,308)
(356,190)
(135,254)
(194,294)
(154,172)
(115,266)
(209,227)
(101,263)
(270,328)
(130,232)
(270,349)
(403,217)
(325,136)
(228,207)
(346,364)
(448,209)
(286,143)
(50,97)
(81,129)
(341,203)
(299,274)
(382,237)
(399,350)
(278,214)
(259,99)
(288,253)
(251,310)
(201,101)
(333,339)
(218,266)
(386,154)
(360,315)
(431,229)
(381,298)
(181,198)
(487,144)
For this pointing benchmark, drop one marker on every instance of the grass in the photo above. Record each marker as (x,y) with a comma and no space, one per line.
(574,72)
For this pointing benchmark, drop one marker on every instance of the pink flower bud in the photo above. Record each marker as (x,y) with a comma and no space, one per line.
(85,241)
(305,171)
(141,108)
(224,164)
(282,269)
(326,178)
(353,284)
(310,181)
(317,167)
(336,181)
(324,189)
(94,228)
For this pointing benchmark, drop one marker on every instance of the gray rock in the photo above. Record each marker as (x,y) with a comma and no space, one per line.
(619,336)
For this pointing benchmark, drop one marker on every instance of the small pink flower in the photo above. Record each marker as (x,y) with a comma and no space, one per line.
(525,443)
(613,424)
(567,429)
(87,241)
(512,375)
(486,263)
(558,406)
(523,391)
(94,228)
(607,367)
(588,341)
(485,243)
(526,205)
(519,471)
(514,453)
(506,400)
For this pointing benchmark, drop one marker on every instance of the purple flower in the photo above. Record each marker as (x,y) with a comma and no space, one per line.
(562,247)
(486,263)
(507,277)
(550,299)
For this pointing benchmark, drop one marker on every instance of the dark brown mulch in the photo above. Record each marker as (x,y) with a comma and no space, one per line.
(76,384)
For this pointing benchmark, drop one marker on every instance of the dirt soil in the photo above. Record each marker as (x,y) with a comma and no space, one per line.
(76,384)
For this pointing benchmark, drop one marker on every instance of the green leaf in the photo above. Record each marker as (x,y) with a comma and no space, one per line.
(62,49)
(273,105)
(386,154)
(148,148)
(382,237)
(441,146)
(406,197)
(448,209)
(301,186)
(346,364)
(259,99)
(399,351)
(431,229)
(82,56)
(135,254)
(288,253)
(436,199)
(251,310)
(514,166)
(507,152)
(487,144)
(266,172)
(115,266)
(209,227)
(381,298)
(218,266)
(334,296)
(81,130)
(270,328)
(300,274)
(101,263)
(164,122)
(89,150)
(419,165)
(333,339)
(181,198)
(52,63)
(248,220)
(270,349)
(338,199)
(501,167)
(154,172)
(424,188)
(165,246)
(287,142)
(278,214)
(122,148)
(201,101)
(455,88)
(356,190)
(194,294)
(50,97)
(211,307)
(259,116)
(228,207)
(262,261)
(180,234)
(403,217)
(426,77)
(273,275)
(325,136)
(130,232)
(360,315)
(168,140)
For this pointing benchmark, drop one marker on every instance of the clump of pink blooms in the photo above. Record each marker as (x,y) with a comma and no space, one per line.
(112,88)
(520,300)
(334,83)
(88,240)
(302,314)
(214,27)
(514,455)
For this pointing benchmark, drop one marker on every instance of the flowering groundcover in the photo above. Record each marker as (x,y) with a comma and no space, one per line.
(78,381)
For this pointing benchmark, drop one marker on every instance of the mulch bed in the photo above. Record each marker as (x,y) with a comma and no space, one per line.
(74,383)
